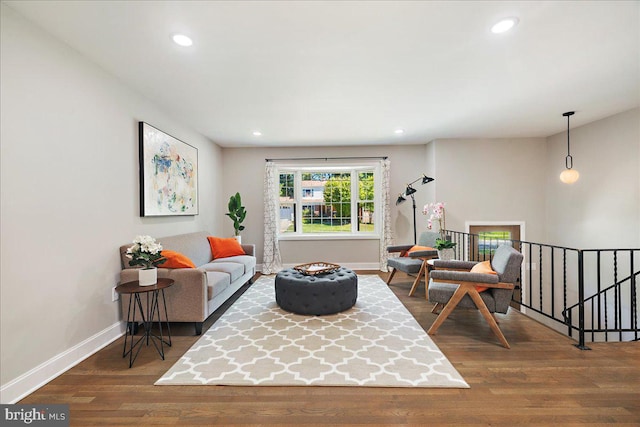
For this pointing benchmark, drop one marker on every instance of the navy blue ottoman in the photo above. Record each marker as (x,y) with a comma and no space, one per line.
(328,293)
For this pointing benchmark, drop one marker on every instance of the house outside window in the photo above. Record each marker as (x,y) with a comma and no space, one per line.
(329,202)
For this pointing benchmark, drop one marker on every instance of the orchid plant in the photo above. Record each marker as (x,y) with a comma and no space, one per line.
(435,211)
(145,252)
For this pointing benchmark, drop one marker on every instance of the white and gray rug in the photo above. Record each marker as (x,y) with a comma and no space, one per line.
(377,343)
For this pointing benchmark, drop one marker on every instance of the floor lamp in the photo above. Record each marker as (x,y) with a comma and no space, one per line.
(409,191)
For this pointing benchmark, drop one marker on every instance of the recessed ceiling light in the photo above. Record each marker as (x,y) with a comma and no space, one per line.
(257,133)
(182,40)
(504,25)
(398,131)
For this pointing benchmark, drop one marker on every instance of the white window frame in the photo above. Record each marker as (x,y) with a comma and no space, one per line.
(354,168)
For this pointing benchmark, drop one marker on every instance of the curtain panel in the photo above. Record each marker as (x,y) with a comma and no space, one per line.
(385,229)
(271,260)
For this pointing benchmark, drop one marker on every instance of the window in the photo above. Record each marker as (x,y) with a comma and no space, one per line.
(492,236)
(328,201)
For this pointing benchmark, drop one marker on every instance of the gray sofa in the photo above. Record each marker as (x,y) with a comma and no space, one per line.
(197,292)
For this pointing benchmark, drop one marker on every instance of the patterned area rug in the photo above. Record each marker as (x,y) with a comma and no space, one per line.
(377,343)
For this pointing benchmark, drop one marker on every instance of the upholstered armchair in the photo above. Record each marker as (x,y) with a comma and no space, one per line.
(413,262)
(456,283)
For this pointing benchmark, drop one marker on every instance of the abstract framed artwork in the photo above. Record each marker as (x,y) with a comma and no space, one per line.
(168,174)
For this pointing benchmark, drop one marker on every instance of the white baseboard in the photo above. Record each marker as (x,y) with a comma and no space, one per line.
(30,381)
(352,266)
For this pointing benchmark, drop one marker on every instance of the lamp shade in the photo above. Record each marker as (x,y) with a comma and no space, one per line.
(426,179)
(410,190)
(569,176)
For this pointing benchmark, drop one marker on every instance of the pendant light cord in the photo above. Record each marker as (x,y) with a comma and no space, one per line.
(568,161)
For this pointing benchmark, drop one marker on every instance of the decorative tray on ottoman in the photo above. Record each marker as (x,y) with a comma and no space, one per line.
(314,268)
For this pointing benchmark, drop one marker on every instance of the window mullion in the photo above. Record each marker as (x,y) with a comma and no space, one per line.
(355,195)
(297,184)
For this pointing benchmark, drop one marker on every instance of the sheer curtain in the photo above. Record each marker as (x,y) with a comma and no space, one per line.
(271,260)
(386,237)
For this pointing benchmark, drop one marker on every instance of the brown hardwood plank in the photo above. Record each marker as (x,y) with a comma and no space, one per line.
(543,380)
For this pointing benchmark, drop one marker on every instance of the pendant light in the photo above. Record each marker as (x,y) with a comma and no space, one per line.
(569,175)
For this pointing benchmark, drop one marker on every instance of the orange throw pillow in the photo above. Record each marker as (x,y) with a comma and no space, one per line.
(176,260)
(483,267)
(225,247)
(419,248)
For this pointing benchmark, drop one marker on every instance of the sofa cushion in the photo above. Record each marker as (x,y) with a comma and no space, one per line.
(248,261)
(407,265)
(234,269)
(175,259)
(224,247)
(216,283)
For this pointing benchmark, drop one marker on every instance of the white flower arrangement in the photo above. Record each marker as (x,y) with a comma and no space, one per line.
(145,252)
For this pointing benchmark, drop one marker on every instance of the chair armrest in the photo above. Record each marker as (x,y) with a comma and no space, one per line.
(453,264)
(193,279)
(421,254)
(463,276)
(398,248)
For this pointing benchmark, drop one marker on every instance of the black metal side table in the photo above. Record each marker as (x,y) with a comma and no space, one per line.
(148,312)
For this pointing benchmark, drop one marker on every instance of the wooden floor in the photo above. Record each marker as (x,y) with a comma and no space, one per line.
(543,380)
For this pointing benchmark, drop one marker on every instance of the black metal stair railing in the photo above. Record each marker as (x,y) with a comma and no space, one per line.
(555,280)
(607,308)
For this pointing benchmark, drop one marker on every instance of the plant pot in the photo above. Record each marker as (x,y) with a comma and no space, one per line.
(238,238)
(446,254)
(148,276)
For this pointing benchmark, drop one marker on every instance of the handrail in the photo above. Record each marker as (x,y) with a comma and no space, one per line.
(617,284)
(554,280)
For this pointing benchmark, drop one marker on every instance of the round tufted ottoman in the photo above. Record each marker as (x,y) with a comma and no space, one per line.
(320,294)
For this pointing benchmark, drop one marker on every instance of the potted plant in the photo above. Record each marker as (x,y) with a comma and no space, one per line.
(147,253)
(237,213)
(444,246)
(445,249)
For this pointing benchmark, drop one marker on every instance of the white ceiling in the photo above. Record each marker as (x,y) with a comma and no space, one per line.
(350,73)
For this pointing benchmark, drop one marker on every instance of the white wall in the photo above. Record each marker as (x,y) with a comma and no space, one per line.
(602,209)
(492,180)
(244,172)
(69,180)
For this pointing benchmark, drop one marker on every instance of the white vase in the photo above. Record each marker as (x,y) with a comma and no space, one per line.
(148,276)
(238,238)
(446,254)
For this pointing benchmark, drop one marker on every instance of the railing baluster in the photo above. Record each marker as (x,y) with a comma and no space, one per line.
(472,248)
(616,305)
(606,318)
(632,294)
(553,283)
(581,301)
(564,288)
(540,275)
(530,294)
(599,287)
